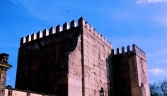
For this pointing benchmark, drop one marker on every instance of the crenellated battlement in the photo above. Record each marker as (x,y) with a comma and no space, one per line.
(66,26)
(45,32)
(33,36)
(133,49)
(86,25)
(138,50)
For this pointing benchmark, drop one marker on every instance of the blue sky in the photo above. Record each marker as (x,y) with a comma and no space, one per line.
(122,22)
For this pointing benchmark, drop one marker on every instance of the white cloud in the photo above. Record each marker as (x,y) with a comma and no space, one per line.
(149,1)
(156,71)
(141,1)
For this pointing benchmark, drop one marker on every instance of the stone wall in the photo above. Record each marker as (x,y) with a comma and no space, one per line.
(69,62)
(75,71)
(77,61)
(121,73)
(14,92)
(130,72)
(43,62)
(143,82)
(96,62)
(4,66)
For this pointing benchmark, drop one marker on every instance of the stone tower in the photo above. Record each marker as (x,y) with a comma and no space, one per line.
(130,72)
(3,69)
(71,61)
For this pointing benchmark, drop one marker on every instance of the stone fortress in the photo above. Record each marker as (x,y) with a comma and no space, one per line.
(79,61)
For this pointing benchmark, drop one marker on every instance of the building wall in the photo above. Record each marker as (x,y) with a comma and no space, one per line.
(43,63)
(2,80)
(130,72)
(96,62)
(76,61)
(12,92)
(16,93)
(75,71)
(121,73)
(141,62)
(72,62)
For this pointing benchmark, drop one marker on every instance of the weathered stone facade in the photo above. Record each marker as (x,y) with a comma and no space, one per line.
(3,69)
(75,61)
(130,72)
(9,91)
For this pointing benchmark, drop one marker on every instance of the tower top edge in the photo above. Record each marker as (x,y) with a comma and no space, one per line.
(128,50)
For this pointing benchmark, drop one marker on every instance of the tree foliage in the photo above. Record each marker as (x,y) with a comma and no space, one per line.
(159,88)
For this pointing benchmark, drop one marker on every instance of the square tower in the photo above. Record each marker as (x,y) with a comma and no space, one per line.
(130,72)
(71,61)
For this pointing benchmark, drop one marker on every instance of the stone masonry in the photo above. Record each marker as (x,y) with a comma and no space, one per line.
(3,69)
(79,61)
(130,72)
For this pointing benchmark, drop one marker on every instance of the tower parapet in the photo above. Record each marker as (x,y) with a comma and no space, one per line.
(138,51)
(94,32)
(65,26)
(130,71)
(33,36)
(73,24)
(23,40)
(51,31)
(58,28)
(130,50)
(28,38)
(45,32)
(81,23)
